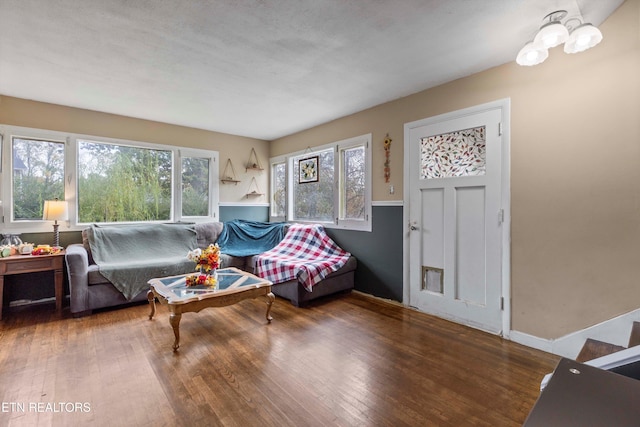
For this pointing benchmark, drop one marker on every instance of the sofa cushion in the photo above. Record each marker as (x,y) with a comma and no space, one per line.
(94,276)
(232,261)
(87,247)
(207,233)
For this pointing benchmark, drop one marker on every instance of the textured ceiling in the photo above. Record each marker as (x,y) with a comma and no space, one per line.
(263,69)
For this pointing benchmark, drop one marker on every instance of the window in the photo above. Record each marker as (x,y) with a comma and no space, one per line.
(37,168)
(104,180)
(279,190)
(119,183)
(196,186)
(330,184)
(313,201)
(352,198)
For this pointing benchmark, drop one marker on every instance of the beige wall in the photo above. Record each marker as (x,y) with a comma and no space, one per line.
(575,159)
(575,178)
(21,112)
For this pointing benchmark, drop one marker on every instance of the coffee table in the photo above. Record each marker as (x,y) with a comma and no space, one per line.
(234,285)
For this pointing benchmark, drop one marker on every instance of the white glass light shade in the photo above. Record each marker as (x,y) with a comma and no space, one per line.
(532,54)
(55,210)
(582,38)
(552,35)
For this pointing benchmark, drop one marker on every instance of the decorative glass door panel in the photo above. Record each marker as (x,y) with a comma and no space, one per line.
(454,154)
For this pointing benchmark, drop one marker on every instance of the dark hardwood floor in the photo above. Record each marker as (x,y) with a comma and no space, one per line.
(346,361)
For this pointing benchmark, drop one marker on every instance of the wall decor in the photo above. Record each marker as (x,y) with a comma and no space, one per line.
(387,164)
(253,190)
(229,174)
(253,162)
(308,170)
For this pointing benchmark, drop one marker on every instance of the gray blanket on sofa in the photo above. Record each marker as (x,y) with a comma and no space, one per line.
(130,255)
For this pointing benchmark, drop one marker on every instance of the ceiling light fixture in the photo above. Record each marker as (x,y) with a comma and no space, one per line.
(582,37)
(576,36)
(553,33)
(532,53)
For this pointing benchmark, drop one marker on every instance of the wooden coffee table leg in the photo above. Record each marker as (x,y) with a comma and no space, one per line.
(174,320)
(270,299)
(152,303)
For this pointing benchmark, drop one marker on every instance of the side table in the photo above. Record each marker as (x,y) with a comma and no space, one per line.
(18,264)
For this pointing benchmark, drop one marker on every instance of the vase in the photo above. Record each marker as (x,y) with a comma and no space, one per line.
(213,273)
(11,239)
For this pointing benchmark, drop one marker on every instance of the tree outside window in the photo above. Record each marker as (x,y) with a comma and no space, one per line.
(195,186)
(118,183)
(279,190)
(38,175)
(313,201)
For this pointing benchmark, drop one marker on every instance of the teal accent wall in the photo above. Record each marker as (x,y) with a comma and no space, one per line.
(249,213)
(379,253)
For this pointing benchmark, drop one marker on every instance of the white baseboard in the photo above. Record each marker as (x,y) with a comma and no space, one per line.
(532,341)
(614,331)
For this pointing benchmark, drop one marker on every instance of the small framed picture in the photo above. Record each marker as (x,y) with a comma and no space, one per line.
(308,170)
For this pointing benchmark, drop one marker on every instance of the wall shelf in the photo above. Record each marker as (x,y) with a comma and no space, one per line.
(253,163)
(253,190)
(229,174)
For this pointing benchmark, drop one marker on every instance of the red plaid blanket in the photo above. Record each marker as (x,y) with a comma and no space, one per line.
(306,253)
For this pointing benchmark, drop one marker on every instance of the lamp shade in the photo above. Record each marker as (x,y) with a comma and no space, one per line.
(55,210)
(582,38)
(532,54)
(552,35)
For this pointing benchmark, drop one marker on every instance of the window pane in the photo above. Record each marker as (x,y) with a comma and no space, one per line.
(313,201)
(195,186)
(353,177)
(279,177)
(119,183)
(460,153)
(38,175)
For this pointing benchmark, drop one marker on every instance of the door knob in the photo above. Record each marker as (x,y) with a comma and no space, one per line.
(412,226)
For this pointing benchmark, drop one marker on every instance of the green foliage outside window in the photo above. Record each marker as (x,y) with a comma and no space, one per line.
(121,183)
(38,175)
(195,186)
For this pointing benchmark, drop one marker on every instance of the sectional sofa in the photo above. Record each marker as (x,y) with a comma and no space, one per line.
(89,288)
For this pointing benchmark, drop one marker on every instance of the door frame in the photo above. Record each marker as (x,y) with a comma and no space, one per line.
(505,107)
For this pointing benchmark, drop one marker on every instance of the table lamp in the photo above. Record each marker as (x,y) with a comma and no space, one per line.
(55,210)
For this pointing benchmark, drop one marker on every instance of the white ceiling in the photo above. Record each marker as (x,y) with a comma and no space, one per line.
(257,68)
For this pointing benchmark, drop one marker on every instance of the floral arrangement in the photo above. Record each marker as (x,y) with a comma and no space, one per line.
(45,250)
(201,279)
(207,262)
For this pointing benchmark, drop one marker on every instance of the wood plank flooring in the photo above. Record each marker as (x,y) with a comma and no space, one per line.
(343,361)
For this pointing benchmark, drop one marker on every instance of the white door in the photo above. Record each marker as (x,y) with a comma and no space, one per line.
(455,216)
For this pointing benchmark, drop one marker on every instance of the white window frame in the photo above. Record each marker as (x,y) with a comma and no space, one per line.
(337,147)
(214,191)
(274,161)
(70,140)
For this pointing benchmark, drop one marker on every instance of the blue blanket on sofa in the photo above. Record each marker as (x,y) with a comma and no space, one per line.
(246,238)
